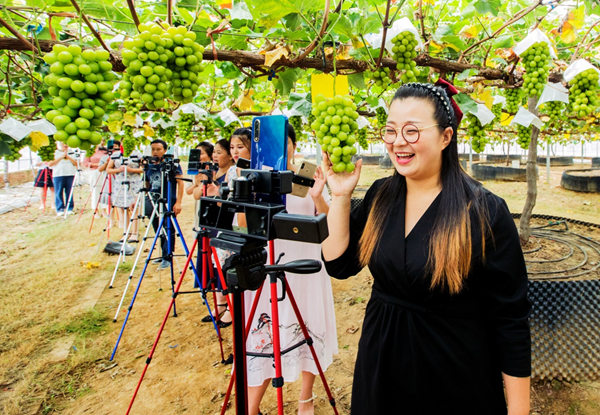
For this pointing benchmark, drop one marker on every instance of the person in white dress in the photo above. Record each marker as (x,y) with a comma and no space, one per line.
(314,297)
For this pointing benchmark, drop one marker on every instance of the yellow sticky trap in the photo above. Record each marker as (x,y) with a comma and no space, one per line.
(323,84)
(506,119)
(38,140)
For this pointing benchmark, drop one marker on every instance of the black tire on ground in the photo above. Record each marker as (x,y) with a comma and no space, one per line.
(367,160)
(465,156)
(484,171)
(588,184)
(499,158)
(556,160)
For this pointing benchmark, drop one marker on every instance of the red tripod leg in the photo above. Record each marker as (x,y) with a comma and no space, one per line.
(175,292)
(207,264)
(45,192)
(246,331)
(278,380)
(288,291)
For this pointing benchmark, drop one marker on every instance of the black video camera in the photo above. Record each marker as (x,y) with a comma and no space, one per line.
(265,221)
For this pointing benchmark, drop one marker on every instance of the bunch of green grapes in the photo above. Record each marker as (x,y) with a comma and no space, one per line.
(556,111)
(16,146)
(381,76)
(536,60)
(184,125)
(131,99)
(170,133)
(296,122)
(523,136)
(208,129)
(46,153)
(403,53)
(584,93)
(162,60)
(381,116)
(227,131)
(335,126)
(129,142)
(361,136)
(81,84)
(311,118)
(513,99)
(497,111)
(477,133)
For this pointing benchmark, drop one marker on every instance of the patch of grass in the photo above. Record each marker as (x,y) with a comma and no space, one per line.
(83,325)
(91,322)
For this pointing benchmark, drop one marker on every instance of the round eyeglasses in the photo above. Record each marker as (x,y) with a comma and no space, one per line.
(410,132)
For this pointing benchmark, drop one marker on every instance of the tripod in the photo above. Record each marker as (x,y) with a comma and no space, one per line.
(93,188)
(76,182)
(168,221)
(44,192)
(275,272)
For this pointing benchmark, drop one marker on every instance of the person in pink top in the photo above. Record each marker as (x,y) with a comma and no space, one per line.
(95,180)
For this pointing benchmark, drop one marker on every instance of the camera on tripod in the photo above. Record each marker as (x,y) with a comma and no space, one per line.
(265,222)
(195,166)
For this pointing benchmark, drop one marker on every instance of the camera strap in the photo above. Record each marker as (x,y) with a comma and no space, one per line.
(304,181)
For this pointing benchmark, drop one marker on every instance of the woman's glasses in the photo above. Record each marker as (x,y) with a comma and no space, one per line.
(410,132)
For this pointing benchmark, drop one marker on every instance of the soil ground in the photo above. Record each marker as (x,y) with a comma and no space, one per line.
(56,329)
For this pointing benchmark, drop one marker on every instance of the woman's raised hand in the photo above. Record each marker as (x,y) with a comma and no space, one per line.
(319,185)
(341,184)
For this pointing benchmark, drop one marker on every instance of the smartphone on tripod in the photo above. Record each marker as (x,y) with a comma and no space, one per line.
(268,149)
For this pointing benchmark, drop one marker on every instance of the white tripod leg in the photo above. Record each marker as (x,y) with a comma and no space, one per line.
(137,258)
(124,243)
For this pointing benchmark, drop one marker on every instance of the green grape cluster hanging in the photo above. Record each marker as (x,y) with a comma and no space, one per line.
(208,130)
(381,116)
(477,132)
(403,53)
(15,148)
(523,136)
(536,60)
(513,99)
(46,153)
(555,110)
(497,111)
(584,92)
(184,125)
(228,130)
(81,84)
(161,61)
(129,142)
(335,127)
(361,136)
(296,122)
(380,76)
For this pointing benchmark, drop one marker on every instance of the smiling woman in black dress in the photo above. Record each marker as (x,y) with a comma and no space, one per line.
(447,324)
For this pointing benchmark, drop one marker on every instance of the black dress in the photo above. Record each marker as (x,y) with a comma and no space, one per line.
(423,351)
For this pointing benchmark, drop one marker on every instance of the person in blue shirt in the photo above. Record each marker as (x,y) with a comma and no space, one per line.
(157,183)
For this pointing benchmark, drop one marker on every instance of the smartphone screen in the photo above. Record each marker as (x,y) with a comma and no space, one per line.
(194,161)
(269,148)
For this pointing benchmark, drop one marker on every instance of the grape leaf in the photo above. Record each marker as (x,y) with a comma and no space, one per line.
(288,78)
(466,103)
(357,80)
(487,6)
